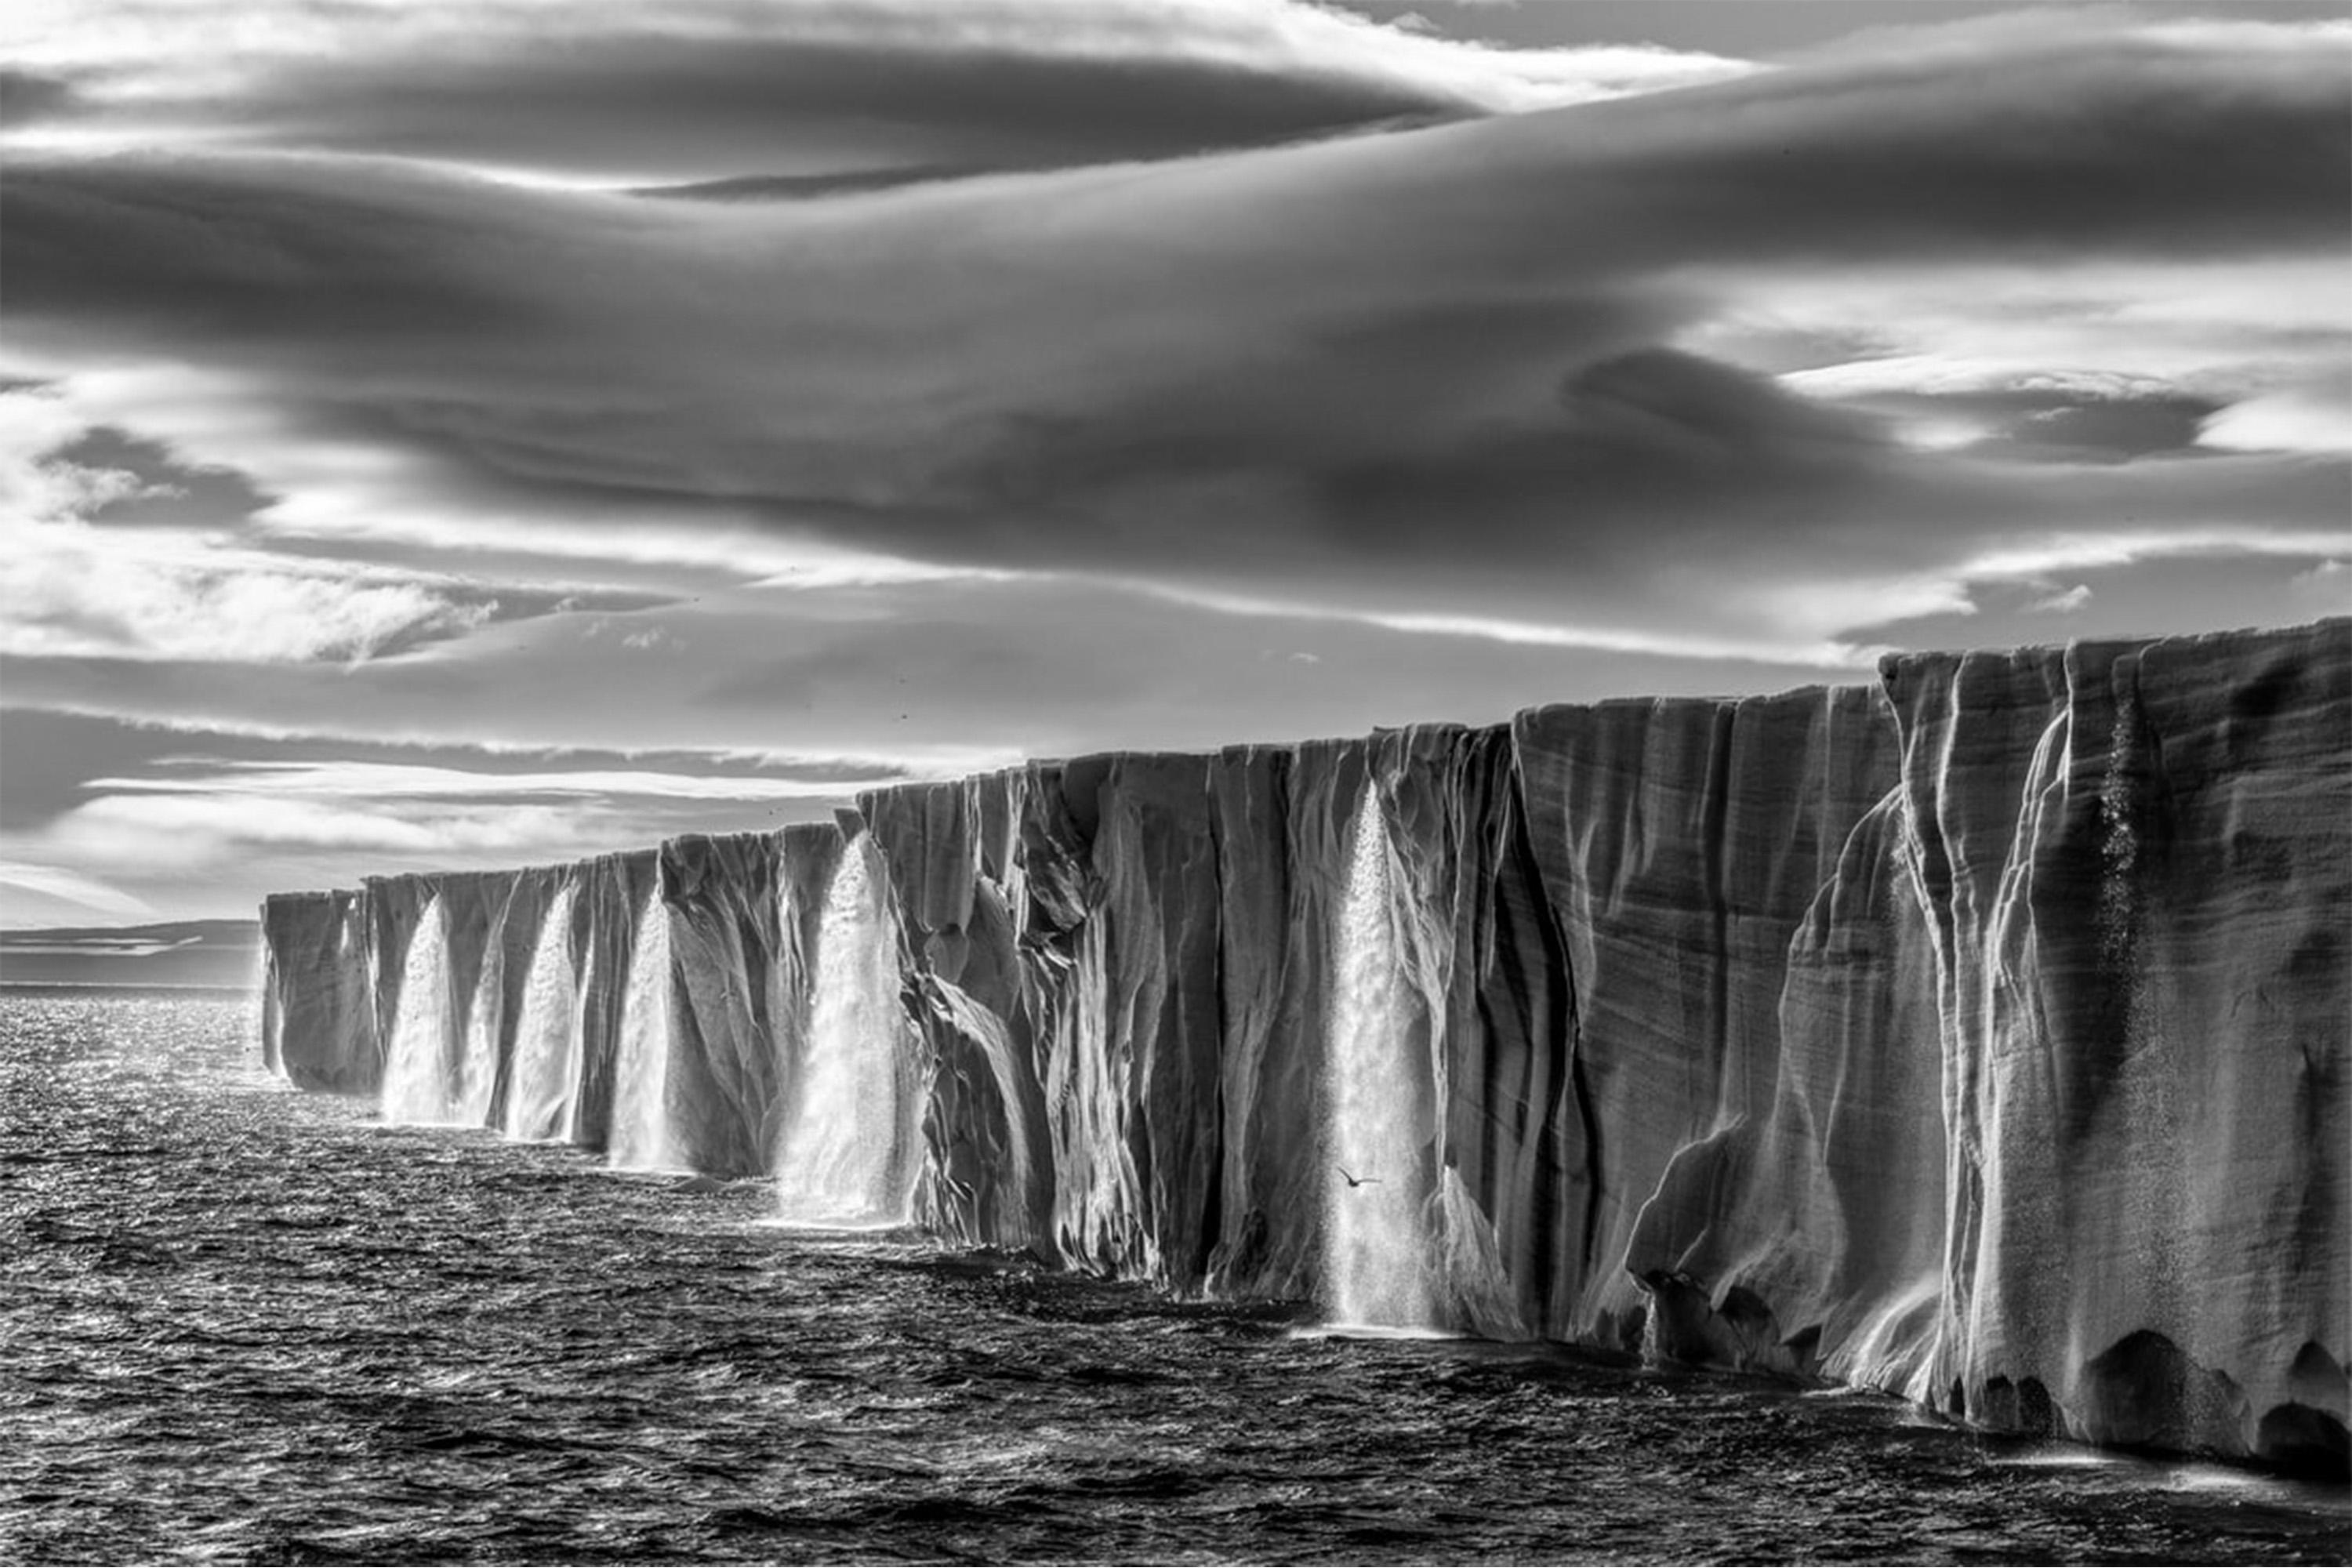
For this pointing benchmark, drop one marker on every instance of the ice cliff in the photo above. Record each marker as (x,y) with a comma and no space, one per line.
(1983,1036)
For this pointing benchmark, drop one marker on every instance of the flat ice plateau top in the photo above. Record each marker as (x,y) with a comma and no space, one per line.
(1985,1035)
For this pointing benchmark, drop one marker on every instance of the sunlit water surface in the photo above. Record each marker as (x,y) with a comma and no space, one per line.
(243,1324)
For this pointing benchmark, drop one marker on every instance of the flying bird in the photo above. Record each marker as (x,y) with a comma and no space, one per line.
(1354,1182)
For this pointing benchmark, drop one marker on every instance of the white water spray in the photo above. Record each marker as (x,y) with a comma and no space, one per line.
(416,1077)
(640,1136)
(542,1094)
(475,1080)
(1375,1240)
(841,1160)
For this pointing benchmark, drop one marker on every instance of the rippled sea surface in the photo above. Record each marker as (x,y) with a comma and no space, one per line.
(243,1324)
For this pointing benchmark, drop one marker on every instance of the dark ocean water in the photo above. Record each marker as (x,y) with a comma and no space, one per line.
(243,1324)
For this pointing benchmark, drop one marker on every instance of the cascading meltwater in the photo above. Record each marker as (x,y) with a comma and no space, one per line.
(1375,1240)
(416,1073)
(542,1095)
(640,1138)
(474,1080)
(844,1160)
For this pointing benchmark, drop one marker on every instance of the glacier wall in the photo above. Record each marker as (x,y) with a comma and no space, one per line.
(1983,1036)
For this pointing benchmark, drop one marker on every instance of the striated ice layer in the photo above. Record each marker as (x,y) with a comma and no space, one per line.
(1983,1036)
(318,1021)
(2134,863)
(734,930)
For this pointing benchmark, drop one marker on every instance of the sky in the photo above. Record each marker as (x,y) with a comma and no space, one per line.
(441,434)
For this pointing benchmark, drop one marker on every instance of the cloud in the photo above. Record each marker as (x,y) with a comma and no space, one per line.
(54,885)
(698,91)
(2310,418)
(28,96)
(1031,669)
(2044,414)
(1502,630)
(2061,603)
(70,591)
(115,547)
(1431,371)
(399,781)
(201,821)
(2327,587)
(40,480)
(188,834)
(163,490)
(70,599)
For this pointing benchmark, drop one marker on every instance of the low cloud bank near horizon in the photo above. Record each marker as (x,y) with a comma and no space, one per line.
(1024,382)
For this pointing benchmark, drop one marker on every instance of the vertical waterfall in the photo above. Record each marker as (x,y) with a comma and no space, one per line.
(1375,1240)
(476,1082)
(843,1160)
(640,1130)
(415,1071)
(542,1095)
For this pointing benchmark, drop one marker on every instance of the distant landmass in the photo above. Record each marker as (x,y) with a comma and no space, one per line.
(225,953)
